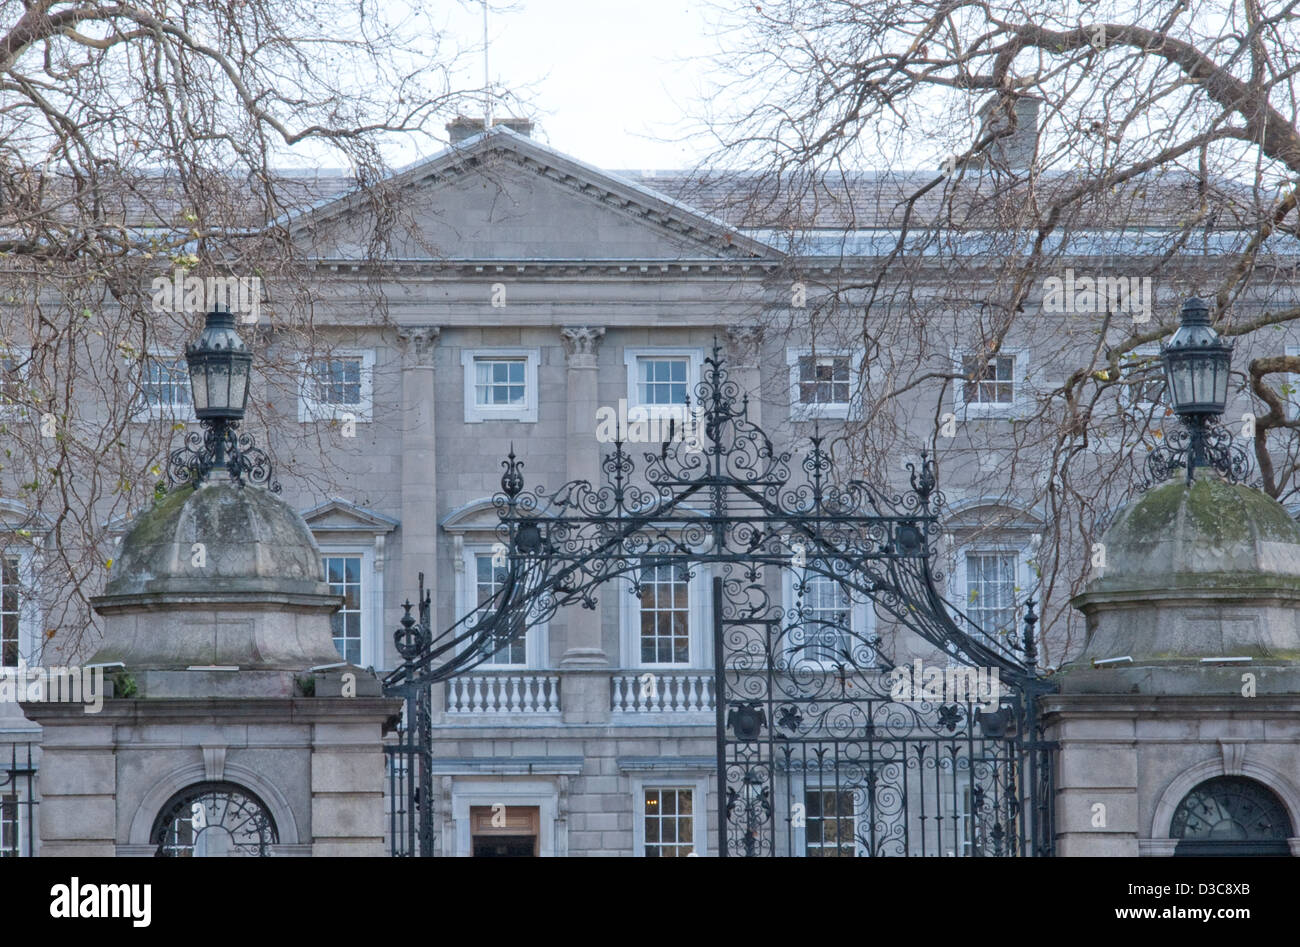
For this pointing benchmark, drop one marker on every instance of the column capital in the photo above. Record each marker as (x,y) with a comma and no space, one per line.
(418,343)
(744,343)
(581,344)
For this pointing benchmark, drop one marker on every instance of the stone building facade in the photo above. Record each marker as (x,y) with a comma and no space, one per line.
(524,292)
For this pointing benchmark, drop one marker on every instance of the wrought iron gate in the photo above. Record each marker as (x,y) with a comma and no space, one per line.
(821,749)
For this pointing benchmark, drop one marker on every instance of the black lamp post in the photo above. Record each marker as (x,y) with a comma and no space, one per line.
(220,363)
(1197,361)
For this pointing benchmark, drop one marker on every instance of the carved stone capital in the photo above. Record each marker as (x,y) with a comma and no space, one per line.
(744,343)
(418,343)
(581,344)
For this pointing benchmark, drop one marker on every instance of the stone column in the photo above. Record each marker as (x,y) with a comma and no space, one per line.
(744,353)
(585,682)
(419,529)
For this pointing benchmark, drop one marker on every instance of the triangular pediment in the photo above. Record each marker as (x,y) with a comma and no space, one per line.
(502,196)
(338,515)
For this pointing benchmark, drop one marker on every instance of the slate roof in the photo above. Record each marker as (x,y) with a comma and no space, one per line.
(855,215)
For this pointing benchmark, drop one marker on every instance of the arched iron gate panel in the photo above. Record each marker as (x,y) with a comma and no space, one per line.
(814,756)
(830,762)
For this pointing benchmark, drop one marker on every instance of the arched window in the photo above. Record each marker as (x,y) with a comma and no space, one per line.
(1231,815)
(214,820)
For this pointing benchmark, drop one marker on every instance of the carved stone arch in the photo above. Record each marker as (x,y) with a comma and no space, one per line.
(286,820)
(1230,763)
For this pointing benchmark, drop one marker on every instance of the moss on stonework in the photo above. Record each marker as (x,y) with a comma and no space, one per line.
(155,524)
(1219,513)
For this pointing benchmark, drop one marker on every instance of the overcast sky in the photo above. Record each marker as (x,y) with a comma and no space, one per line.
(615,83)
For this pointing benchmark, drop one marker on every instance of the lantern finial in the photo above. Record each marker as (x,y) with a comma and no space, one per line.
(220,364)
(1197,362)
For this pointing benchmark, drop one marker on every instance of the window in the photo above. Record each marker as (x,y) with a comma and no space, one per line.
(829,824)
(337,386)
(165,388)
(824,379)
(827,615)
(343,573)
(830,628)
(9,833)
(10,612)
(668,821)
(991,591)
(487,581)
(1143,397)
(989,382)
(661,377)
(12,380)
(661,380)
(822,385)
(500,384)
(477,581)
(665,615)
(338,381)
(499,381)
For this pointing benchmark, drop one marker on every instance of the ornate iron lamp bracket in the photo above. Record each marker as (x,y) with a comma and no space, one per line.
(219,445)
(1199,441)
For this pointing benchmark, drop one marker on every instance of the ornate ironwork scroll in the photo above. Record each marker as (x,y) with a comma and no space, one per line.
(214,820)
(1197,442)
(219,445)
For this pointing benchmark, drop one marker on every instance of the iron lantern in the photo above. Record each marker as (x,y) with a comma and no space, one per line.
(1197,361)
(219,363)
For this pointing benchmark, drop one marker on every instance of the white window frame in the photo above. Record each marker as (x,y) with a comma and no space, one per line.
(310,410)
(1137,409)
(965,814)
(698,643)
(975,409)
(799,833)
(632,356)
(163,412)
(527,412)
(31,641)
(536,639)
(372,600)
(699,786)
(807,412)
(22,356)
(861,617)
(999,547)
(22,812)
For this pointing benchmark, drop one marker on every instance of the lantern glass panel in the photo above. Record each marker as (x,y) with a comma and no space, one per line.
(1202,380)
(1180,382)
(238,385)
(1220,381)
(218,385)
(199,386)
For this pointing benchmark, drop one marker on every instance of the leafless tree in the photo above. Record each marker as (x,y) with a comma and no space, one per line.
(1164,146)
(138,139)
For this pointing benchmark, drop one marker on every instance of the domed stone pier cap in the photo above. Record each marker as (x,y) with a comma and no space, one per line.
(219,575)
(1190,573)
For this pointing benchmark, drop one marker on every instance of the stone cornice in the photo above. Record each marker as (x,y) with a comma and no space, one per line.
(705,267)
(287,710)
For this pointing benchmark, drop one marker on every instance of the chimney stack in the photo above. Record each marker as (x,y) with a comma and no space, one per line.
(461,127)
(1016,151)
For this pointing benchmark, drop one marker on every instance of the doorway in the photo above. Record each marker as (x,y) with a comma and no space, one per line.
(501,831)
